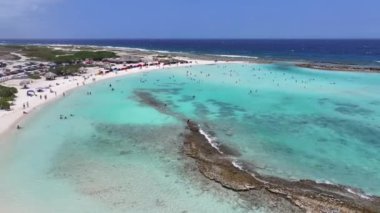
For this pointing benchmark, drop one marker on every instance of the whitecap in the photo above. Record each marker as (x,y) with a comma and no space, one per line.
(211,140)
(236,164)
(237,56)
(364,196)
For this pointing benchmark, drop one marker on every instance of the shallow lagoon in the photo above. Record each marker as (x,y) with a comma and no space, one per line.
(117,154)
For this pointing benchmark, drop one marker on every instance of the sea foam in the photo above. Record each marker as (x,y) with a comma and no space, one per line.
(211,140)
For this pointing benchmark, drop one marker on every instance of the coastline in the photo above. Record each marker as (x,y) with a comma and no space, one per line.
(327,66)
(10,119)
(240,58)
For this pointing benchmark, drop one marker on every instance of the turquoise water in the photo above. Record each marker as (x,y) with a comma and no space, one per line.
(116,154)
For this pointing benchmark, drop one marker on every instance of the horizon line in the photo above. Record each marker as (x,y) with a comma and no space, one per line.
(189,38)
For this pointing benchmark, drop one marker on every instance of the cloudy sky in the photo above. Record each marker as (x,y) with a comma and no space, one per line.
(189,19)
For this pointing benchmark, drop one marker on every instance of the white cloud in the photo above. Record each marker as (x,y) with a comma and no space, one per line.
(20,8)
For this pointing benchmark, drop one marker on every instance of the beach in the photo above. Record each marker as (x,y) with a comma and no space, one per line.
(10,119)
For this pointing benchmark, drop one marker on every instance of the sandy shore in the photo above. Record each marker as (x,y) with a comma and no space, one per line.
(10,119)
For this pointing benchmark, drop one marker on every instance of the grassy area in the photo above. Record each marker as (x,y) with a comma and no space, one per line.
(57,56)
(34,76)
(5,52)
(82,55)
(41,53)
(66,70)
(7,94)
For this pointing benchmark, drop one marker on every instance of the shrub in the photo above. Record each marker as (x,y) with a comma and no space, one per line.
(34,76)
(7,94)
(4,104)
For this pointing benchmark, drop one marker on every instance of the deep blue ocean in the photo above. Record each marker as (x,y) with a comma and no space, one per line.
(359,52)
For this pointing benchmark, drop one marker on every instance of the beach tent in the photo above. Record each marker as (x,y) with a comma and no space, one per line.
(24,82)
(50,76)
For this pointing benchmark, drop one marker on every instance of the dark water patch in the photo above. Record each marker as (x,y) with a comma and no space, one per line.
(226,109)
(125,152)
(277,123)
(186,98)
(322,140)
(200,109)
(171,91)
(280,124)
(323,101)
(353,110)
(170,103)
(346,108)
(350,129)
(349,105)
(171,84)
(287,100)
(149,99)
(124,139)
(376,103)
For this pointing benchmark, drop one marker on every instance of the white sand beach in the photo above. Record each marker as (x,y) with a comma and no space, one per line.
(57,88)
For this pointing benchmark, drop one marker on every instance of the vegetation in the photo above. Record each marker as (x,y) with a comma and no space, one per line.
(66,70)
(41,53)
(7,94)
(34,76)
(67,60)
(83,55)
(60,56)
(5,52)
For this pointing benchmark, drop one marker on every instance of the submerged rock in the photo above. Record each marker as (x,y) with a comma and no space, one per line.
(306,194)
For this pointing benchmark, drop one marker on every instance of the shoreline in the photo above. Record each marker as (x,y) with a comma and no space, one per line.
(10,119)
(327,66)
(239,58)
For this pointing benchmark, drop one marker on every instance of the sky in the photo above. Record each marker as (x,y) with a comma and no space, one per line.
(189,19)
